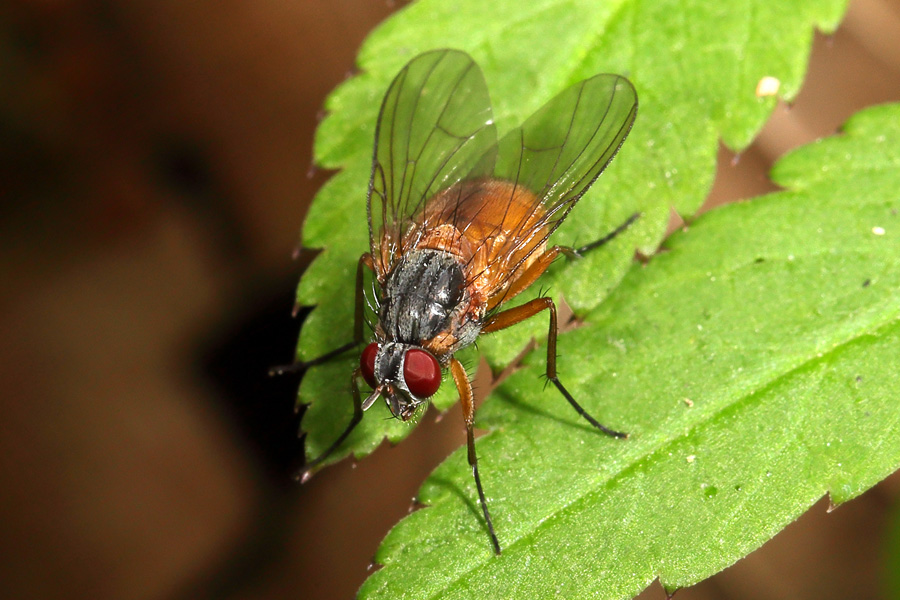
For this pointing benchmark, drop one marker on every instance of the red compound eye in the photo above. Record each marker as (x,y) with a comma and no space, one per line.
(421,372)
(367,364)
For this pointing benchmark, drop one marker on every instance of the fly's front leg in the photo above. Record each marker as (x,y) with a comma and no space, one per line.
(510,317)
(365,260)
(464,387)
(304,475)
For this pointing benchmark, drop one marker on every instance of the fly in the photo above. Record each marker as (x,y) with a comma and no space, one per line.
(459,224)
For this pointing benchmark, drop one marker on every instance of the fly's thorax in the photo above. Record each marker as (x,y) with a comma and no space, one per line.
(424,295)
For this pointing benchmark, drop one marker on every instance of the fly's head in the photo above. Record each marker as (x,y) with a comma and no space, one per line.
(405,374)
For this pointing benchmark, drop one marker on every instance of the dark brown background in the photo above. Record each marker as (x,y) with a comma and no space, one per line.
(154,178)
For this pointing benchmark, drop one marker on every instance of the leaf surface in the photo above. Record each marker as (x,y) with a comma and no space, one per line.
(754,363)
(696,67)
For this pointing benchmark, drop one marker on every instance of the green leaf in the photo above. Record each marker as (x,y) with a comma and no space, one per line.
(696,66)
(753,362)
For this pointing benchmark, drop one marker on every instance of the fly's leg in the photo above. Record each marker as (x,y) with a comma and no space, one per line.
(540,265)
(365,260)
(578,252)
(304,475)
(464,387)
(512,316)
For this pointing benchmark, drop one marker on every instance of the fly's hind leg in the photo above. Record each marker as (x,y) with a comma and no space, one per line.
(512,316)
(540,265)
(301,366)
(578,252)
(464,387)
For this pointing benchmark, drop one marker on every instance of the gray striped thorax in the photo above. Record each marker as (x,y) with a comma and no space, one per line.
(421,295)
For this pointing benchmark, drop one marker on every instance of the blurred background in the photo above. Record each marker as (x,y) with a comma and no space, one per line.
(155,173)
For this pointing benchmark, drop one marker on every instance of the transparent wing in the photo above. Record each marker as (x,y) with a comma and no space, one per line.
(435,127)
(556,155)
